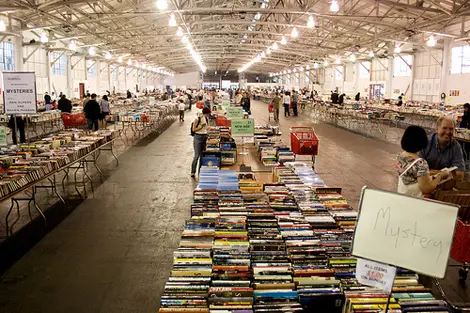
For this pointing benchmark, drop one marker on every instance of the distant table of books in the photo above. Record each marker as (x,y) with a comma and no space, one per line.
(35,165)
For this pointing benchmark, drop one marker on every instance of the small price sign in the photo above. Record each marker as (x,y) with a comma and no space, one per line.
(375,274)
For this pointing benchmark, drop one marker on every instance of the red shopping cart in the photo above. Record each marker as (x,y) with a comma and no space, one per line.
(271,111)
(304,141)
(73,120)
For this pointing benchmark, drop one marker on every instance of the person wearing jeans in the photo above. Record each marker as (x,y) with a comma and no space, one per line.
(295,100)
(199,127)
(286,104)
(92,112)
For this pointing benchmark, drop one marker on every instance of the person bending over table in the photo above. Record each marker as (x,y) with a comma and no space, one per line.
(443,151)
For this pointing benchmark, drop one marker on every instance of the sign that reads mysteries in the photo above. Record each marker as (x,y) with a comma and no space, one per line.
(19,94)
(243,128)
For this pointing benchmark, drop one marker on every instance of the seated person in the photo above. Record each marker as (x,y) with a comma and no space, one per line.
(442,150)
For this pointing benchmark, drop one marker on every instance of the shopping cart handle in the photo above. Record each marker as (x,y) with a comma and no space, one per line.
(302,127)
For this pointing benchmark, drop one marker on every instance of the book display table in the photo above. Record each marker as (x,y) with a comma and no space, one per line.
(36,166)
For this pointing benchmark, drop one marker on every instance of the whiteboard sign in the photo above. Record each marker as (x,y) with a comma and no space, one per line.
(370,273)
(404,231)
(19,92)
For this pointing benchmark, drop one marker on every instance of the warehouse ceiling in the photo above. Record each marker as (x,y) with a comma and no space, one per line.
(227,35)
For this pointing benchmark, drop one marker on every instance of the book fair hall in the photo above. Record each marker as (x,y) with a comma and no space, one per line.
(210,156)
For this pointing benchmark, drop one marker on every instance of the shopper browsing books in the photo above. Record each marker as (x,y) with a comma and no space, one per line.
(104,107)
(181,107)
(442,150)
(286,104)
(414,177)
(276,106)
(92,113)
(199,131)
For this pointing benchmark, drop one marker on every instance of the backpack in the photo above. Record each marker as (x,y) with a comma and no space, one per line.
(191,127)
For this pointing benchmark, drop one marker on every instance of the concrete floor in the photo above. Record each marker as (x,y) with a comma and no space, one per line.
(113,253)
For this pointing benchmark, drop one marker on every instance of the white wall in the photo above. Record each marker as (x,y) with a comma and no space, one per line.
(188,80)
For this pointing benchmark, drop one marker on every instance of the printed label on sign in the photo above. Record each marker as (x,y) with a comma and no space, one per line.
(243,128)
(234,113)
(19,93)
(375,274)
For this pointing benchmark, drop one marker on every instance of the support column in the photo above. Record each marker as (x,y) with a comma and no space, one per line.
(48,72)
(388,82)
(445,66)
(125,79)
(413,73)
(69,76)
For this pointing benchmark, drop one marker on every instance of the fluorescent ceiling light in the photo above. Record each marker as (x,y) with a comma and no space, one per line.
(295,70)
(294,33)
(172,20)
(3,26)
(289,71)
(185,39)
(129,62)
(315,65)
(371,53)
(310,22)
(431,42)
(301,69)
(397,49)
(108,56)
(92,51)
(257,16)
(338,61)
(44,37)
(162,4)
(307,67)
(120,59)
(283,40)
(72,45)
(334,7)
(352,57)
(275,46)
(263,54)
(268,51)
(325,63)
(179,32)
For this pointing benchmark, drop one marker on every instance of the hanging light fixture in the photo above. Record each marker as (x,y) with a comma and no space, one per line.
(268,51)
(315,65)
(397,49)
(179,32)
(275,46)
(338,61)
(136,64)
(72,45)
(352,57)
(129,62)
(283,40)
(144,66)
(185,39)
(431,42)
(334,7)
(289,71)
(44,37)
(162,4)
(371,53)
(263,54)
(325,63)
(108,56)
(172,20)
(119,59)
(310,22)
(295,70)
(92,51)
(307,67)
(3,26)
(301,69)
(294,33)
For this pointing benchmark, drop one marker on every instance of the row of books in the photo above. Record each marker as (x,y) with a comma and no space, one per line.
(286,248)
(29,163)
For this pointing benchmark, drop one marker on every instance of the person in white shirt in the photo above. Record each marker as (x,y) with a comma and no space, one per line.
(199,127)
(181,108)
(286,104)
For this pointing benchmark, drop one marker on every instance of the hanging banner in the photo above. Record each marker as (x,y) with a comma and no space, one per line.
(370,273)
(19,94)
(243,128)
(234,113)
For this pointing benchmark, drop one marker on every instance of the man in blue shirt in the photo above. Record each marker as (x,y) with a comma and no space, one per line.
(442,150)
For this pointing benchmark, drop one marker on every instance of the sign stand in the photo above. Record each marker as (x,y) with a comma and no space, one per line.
(16,129)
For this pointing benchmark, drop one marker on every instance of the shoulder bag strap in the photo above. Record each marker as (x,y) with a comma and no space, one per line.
(409,167)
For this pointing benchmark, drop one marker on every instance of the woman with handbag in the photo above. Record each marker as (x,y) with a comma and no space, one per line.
(414,178)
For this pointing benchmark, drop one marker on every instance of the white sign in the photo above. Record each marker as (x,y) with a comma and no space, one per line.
(19,92)
(404,231)
(370,273)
